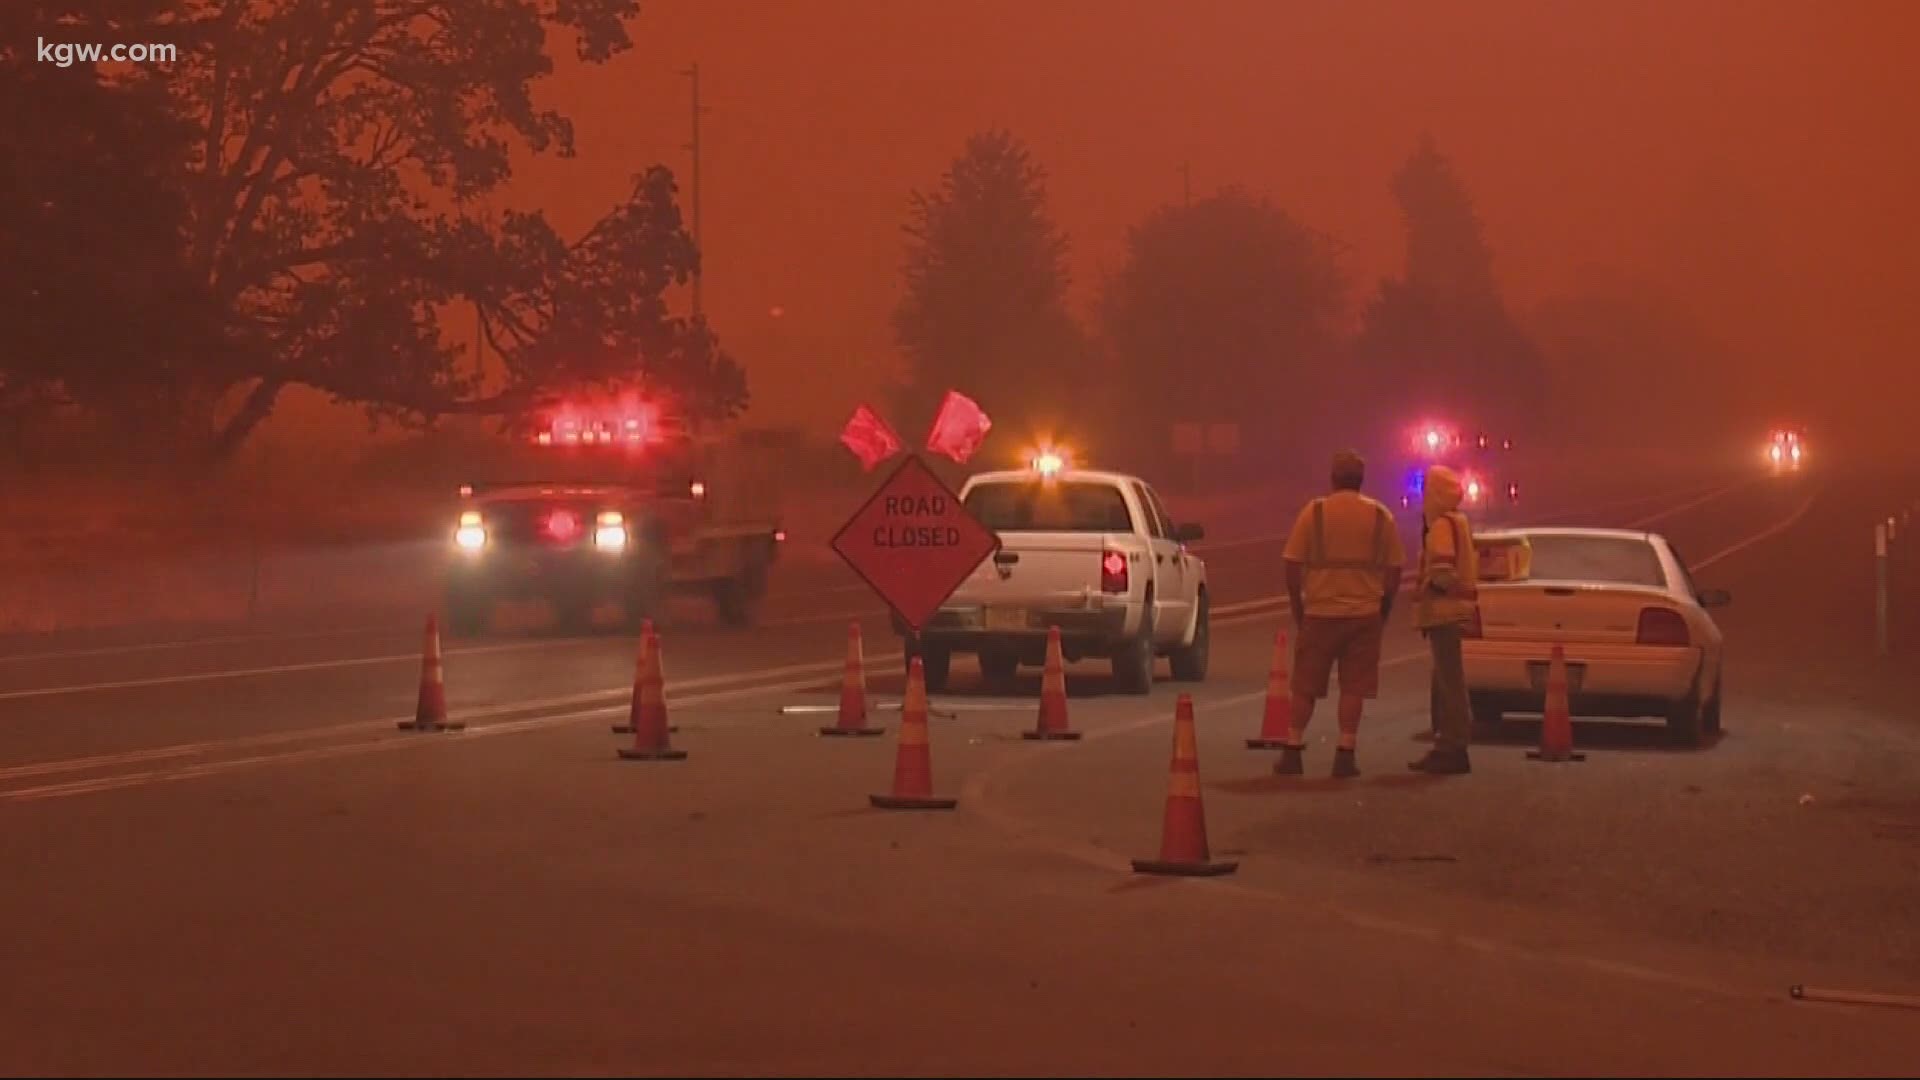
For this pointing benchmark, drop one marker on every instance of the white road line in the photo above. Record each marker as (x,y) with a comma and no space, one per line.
(1765,534)
(149,777)
(178,644)
(277,669)
(1675,511)
(674,688)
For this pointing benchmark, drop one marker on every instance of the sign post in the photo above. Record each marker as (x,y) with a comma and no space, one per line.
(913,543)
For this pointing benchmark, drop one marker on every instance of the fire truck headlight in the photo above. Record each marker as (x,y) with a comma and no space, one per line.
(610,532)
(471,535)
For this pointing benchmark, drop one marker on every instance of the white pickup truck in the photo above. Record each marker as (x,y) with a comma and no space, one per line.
(1093,553)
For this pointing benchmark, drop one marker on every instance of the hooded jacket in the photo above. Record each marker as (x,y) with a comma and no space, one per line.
(1449,564)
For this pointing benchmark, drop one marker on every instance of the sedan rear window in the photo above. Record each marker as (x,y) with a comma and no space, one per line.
(1067,506)
(1608,560)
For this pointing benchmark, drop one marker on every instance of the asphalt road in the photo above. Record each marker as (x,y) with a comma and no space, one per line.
(223,859)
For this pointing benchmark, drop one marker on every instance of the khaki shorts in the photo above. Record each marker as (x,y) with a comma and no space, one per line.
(1353,643)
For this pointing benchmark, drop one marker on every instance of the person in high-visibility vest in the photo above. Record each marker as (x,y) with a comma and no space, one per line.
(1344,560)
(1447,594)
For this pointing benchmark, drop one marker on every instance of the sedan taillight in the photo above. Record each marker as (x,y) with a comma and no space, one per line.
(1113,572)
(1662,626)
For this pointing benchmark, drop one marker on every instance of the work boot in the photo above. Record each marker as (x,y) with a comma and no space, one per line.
(1344,767)
(1289,763)
(1439,762)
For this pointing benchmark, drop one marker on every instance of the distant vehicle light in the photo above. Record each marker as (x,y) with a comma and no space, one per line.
(780,536)
(1433,440)
(466,490)
(610,537)
(610,517)
(1473,491)
(1513,492)
(1774,452)
(545,438)
(469,517)
(470,537)
(1506,444)
(1796,451)
(698,489)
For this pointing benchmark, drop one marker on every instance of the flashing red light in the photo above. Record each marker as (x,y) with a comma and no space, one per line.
(562,525)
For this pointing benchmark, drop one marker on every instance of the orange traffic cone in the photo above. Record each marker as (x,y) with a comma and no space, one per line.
(1276,725)
(913,765)
(431,713)
(1052,722)
(649,713)
(1183,833)
(853,691)
(648,643)
(1556,727)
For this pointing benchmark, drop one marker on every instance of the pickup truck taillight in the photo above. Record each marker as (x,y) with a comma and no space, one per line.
(1662,626)
(1113,572)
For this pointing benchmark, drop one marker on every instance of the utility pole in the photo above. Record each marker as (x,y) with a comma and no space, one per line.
(693,74)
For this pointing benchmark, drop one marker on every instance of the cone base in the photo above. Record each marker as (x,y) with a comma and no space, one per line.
(1050,736)
(664,754)
(431,725)
(627,729)
(1264,743)
(851,732)
(912,802)
(1185,869)
(1541,755)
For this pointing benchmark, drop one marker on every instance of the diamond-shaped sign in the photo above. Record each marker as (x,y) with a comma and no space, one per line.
(913,542)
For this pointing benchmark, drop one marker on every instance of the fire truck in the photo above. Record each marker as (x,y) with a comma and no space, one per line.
(618,504)
(1484,462)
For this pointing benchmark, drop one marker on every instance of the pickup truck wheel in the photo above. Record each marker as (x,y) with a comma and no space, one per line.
(999,666)
(1487,717)
(1133,664)
(737,599)
(1190,663)
(935,665)
(647,597)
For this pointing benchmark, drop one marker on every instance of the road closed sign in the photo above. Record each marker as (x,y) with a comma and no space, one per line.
(913,542)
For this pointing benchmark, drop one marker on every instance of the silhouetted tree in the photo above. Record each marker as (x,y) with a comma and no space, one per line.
(1230,286)
(1440,336)
(338,153)
(95,304)
(986,281)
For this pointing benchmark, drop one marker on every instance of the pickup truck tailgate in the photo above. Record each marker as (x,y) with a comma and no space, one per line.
(1038,570)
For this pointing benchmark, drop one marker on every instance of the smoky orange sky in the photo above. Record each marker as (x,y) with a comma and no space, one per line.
(1755,160)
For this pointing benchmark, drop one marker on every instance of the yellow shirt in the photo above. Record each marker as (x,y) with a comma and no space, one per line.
(1346,562)
(1450,558)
